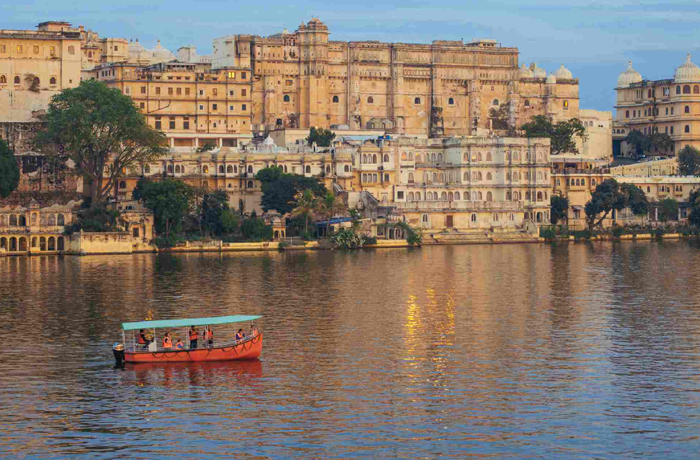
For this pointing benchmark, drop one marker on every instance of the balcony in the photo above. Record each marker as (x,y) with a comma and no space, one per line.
(461,205)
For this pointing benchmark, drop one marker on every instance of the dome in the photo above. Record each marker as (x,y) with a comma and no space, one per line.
(687,72)
(539,72)
(268,141)
(524,72)
(563,73)
(628,77)
(161,54)
(135,48)
(551,80)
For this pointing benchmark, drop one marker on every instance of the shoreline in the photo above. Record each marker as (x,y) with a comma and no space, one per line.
(219,247)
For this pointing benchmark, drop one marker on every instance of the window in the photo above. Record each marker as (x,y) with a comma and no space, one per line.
(143,90)
(678,90)
(16,80)
(370,100)
(158,125)
(451,101)
(666,110)
(157,90)
(201,107)
(179,91)
(142,105)
(687,128)
(399,195)
(215,92)
(286,98)
(686,89)
(214,107)
(19,49)
(243,107)
(696,89)
(527,104)
(335,99)
(671,129)
(172,122)
(52,80)
(243,75)
(201,92)
(187,91)
(3,80)
(495,102)
(186,123)
(243,92)
(3,49)
(672,110)
(566,105)
(170,91)
(308,170)
(687,109)
(416,100)
(627,113)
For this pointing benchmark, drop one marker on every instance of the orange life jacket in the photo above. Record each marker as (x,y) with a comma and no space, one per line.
(141,340)
(193,335)
(208,335)
(167,342)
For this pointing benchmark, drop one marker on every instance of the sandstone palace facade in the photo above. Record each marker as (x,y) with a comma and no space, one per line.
(446,88)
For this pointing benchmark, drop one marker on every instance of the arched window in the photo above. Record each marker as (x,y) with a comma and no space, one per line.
(3,79)
(374,159)
(170,169)
(442,178)
(509,196)
(466,177)
(686,89)
(286,98)
(457,196)
(52,81)
(481,196)
(386,158)
(481,177)
(539,196)
(507,177)
(475,196)
(489,176)
(205,169)
(467,196)
(473,218)
(451,101)
(439,158)
(370,100)
(411,197)
(13,220)
(475,176)
(424,218)
(347,168)
(16,80)
(61,220)
(416,100)
(429,196)
(417,196)
(687,109)
(37,82)
(539,175)
(251,184)
(527,103)
(489,196)
(177,169)
(435,177)
(410,177)
(478,155)
(147,169)
(364,159)
(696,89)
(335,99)
(308,170)
(52,220)
(443,197)
(527,196)
(495,102)
(229,169)
(221,169)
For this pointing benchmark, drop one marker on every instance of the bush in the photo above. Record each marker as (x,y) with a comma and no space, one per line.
(282,246)
(659,232)
(255,229)
(368,240)
(547,233)
(163,242)
(582,234)
(414,237)
(346,239)
(618,231)
(94,219)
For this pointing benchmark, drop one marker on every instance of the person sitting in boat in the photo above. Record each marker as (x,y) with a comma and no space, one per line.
(167,341)
(144,339)
(240,335)
(254,330)
(194,335)
(208,336)
(179,345)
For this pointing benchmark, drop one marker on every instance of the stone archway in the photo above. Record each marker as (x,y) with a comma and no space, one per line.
(13,244)
(42,244)
(61,244)
(52,244)
(3,243)
(22,243)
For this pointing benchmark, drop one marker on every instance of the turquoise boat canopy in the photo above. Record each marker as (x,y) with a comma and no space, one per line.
(159,324)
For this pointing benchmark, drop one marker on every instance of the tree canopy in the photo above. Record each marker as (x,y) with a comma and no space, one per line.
(694,200)
(646,143)
(562,134)
(668,209)
(9,170)
(322,137)
(689,161)
(213,206)
(96,218)
(560,207)
(169,199)
(279,188)
(102,131)
(609,196)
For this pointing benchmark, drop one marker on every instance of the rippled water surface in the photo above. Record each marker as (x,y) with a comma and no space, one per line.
(510,351)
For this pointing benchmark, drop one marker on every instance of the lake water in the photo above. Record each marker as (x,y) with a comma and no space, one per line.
(507,351)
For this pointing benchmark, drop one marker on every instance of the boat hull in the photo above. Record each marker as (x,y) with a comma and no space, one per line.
(250,349)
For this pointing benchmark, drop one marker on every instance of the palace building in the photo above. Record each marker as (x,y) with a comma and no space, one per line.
(447,88)
(670,106)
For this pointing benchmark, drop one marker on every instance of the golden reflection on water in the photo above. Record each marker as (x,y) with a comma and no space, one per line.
(451,351)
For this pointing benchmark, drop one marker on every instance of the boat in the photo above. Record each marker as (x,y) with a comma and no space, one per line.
(248,348)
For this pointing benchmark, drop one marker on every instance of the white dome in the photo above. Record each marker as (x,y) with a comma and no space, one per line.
(268,141)
(161,54)
(628,77)
(539,72)
(524,72)
(688,72)
(551,80)
(135,48)
(563,73)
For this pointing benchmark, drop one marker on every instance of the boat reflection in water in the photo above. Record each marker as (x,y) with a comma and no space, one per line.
(207,373)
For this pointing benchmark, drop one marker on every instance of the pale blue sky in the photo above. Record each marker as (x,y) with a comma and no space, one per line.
(593,38)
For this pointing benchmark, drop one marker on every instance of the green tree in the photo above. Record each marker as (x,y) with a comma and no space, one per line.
(609,196)
(638,142)
(101,131)
(328,206)
(212,208)
(500,117)
(322,137)
(96,218)
(230,221)
(694,200)
(560,207)
(305,203)
(280,189)
(255,229)
(9,171)
(562,134)
(660,141)
(689,161)
(170,200)
(668,209)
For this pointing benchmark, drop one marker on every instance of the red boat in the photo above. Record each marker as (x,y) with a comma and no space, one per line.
(138,351)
